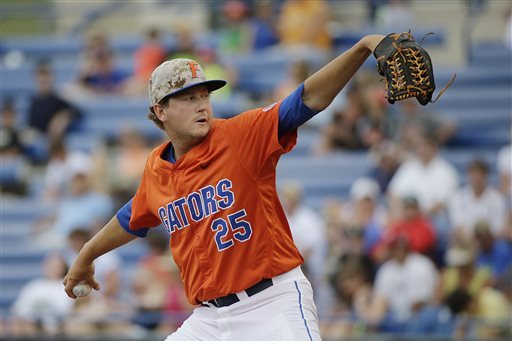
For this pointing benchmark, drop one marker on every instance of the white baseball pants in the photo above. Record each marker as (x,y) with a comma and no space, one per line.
(284,312)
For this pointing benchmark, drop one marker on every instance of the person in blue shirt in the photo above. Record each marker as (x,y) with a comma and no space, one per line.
(493,253)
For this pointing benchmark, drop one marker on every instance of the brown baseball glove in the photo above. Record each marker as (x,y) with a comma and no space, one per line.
(407,69)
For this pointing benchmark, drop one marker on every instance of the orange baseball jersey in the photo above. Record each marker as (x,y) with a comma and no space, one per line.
(219,203)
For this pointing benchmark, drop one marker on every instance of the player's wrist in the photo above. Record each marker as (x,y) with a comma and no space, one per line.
(371,41)
(86,255)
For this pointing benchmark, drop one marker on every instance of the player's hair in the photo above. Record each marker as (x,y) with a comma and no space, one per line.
(152,116)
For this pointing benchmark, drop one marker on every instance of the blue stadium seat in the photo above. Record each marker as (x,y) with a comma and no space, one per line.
(40,47)
(480,136)
(328,176)
(21,210)
(260,72)
(85,142)
(474,77)
(13,169)
(344,38)
(491,53)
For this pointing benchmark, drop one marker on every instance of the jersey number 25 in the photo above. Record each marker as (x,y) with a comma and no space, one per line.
(241,229)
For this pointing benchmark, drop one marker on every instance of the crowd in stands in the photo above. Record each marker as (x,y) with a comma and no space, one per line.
(417,247)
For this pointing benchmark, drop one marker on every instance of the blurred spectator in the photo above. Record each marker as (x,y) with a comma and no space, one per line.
(494,252)
(308,231)
(458,303)
(412,224)
(334,223)
(461,272)
(105,78)
(463,277)
(42,305)
(99,74)
(96,44)
(123,164)
(62,163)
(505,170)
(101,311)
(147,57)
(13,177)
(82,207)
(406,281)
(107,268)
(344,131)
(396,16)
(427,176)
(357,306)
(365,217)
(304,23)
(94,317)
(235,36)
(378,121)
(185,43)
(10,140)
(413,120)
(387,157)
(507,37)
(476,202)
(263,26)
(370,130)
(297,73)
(49,114)
(157,288)
(493,311)
(214,69)
(504,285)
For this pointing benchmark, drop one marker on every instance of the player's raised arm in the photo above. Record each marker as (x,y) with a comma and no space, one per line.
(321,87)
(108,238)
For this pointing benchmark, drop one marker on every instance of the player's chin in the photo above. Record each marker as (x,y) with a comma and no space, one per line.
(201,129)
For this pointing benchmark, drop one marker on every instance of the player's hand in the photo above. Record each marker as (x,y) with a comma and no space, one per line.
(371,41)
(79,271)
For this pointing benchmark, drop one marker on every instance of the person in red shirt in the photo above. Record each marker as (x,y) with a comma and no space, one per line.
(146,58)
(213,187)
(414,225)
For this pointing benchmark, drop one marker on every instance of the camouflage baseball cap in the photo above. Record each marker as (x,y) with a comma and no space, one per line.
(176,75)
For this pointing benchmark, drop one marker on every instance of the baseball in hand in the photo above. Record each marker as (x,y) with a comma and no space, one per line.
(81,289)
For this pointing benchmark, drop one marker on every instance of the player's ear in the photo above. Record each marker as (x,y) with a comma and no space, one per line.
(158,110)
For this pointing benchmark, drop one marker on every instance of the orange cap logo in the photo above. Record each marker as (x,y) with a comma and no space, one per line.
(194,68)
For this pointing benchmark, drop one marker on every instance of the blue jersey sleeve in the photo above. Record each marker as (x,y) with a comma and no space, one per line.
(123,216)
(293,112)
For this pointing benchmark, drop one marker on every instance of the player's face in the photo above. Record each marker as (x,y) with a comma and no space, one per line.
(188,115)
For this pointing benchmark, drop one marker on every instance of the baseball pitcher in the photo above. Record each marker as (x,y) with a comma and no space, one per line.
(212,185)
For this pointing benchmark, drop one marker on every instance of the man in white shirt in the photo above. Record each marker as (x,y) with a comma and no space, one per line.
(407,281)
(476,202)
(427,176)
(42,302)
(308,230)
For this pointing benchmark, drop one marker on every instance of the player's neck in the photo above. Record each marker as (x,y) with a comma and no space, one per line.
(183,147)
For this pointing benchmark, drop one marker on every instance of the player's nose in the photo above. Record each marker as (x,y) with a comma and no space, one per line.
(203,104)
